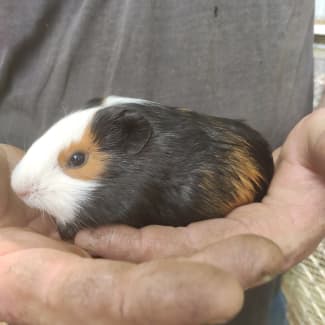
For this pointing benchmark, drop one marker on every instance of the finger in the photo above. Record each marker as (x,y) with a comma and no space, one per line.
(169,292)
(306,142)
(313,156)
(31,277)
(16,239)
(253,260)
(136,245)
(296,195)
(103,292)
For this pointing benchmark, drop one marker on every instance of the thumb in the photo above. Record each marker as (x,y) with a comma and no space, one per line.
(65,289)
(251,259)
(306,143)
(315,151)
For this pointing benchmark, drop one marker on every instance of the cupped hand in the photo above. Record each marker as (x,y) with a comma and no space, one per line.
(48,281)
(57,285)
(292,214)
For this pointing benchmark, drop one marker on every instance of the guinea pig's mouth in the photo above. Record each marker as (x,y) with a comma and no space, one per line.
(23,195)
(28,196)
(36,199)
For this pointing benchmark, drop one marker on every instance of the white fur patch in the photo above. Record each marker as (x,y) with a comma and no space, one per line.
(39,172)
(116,100)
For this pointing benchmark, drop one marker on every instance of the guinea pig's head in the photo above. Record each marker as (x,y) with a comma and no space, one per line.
(63,169)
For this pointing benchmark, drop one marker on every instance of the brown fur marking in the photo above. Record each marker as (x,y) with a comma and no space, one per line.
(249,177)
(244,185)
(96,161)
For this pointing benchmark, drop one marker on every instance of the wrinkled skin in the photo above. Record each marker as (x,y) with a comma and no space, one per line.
(47,281)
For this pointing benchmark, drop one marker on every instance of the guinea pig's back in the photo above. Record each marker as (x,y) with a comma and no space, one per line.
(205,166)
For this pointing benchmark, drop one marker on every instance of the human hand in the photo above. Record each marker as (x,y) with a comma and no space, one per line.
(292,214)
(47,281)
(49,285)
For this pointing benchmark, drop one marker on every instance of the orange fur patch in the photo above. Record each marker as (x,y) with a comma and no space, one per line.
(244,186)
(249,177)
(96,161)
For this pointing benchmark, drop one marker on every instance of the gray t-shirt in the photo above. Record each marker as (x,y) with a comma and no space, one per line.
(249,59)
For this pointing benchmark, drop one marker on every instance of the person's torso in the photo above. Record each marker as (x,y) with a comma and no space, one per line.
(250,60)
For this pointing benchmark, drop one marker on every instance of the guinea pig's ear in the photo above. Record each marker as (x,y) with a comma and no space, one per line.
(125,130)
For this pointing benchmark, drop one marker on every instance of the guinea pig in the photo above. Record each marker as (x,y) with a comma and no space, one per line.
(137,162)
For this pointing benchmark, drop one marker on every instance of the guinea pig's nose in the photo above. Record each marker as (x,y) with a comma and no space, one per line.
(24,194)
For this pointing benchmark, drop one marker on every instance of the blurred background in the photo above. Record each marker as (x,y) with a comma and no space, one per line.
(304,285)
(319,49)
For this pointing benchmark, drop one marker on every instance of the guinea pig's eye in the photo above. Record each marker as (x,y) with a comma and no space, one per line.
(77,159)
